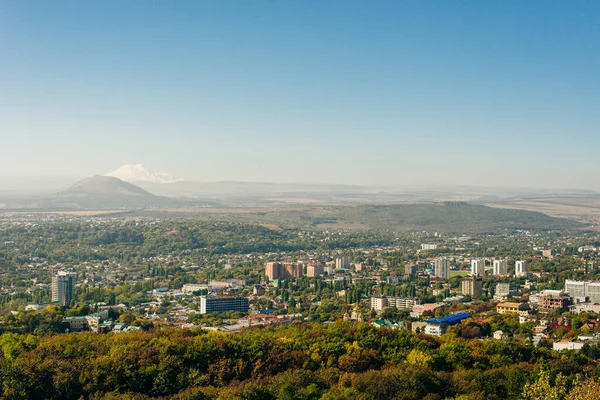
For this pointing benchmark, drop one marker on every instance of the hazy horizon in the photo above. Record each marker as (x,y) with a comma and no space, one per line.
(392,93)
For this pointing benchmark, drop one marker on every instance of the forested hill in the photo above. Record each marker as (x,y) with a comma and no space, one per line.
(452,217)
(449,217)
(308,361)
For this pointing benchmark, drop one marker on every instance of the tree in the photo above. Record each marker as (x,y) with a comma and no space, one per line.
(544,388)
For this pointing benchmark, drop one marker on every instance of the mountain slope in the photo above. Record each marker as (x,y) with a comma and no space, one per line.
(141,173)
(105,186)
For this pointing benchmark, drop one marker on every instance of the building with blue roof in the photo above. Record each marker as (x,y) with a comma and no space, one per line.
(439,326)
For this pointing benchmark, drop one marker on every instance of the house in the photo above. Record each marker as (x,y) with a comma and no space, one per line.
(566,344)
(499,335)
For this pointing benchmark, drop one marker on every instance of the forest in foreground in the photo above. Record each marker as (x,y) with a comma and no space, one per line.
(342,360)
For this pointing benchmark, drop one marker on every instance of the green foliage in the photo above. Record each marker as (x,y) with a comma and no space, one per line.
(301,361)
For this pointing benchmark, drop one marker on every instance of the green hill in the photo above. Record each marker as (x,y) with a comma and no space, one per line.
(451,217)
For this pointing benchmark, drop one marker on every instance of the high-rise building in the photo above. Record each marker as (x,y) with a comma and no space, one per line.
(272,270)
(210,304)
(521,268)
(276,270)
(477,267)
(472,286)
(441,268)
(500,267)
(292,270)
(63,287)
(342,263)
(314,270)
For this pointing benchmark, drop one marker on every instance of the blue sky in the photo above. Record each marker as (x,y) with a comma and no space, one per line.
(381,92)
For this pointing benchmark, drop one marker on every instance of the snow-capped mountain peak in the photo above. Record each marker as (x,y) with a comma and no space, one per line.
(141,173)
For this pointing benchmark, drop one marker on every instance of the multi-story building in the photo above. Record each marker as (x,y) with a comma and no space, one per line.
(314,270)
(63,287)
(589,290)
(550,300)
(500,267)
(439,326)
(521,268)
(272,270)
(441,268)
(477,267)
(293,270)
(342,263)
(381,302)
(428,246)
(509,307)
(276,270)
(472,286)
(210,304)
(504,291)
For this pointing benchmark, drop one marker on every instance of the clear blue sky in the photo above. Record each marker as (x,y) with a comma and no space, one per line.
(383,92)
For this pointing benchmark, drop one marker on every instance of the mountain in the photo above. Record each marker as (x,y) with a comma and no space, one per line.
(141,173)
(105,186)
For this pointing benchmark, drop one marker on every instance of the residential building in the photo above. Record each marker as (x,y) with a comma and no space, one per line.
(401,303)
(510,307)
(277,270)
(566,344)
(63,287)
(477,267)
(499,335)
(427,246)
(549,253)
(342,263)
(441,268)
(359,267)
(504,291)
(583,289)
(210,304)
(272,270)
(473,286)
(500,267)
(314,270)
(521,268)
(293,270)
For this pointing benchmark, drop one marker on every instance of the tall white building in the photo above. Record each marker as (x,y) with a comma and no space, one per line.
(521,268)
(429,246)
(477,267)
(441,268)
(500,267)
(63,285)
